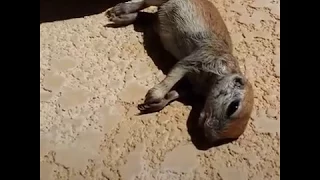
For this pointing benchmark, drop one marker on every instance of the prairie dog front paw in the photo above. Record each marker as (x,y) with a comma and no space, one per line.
(154,95)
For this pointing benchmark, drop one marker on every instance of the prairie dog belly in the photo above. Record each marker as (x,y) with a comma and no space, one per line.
(181,30)
(180,27)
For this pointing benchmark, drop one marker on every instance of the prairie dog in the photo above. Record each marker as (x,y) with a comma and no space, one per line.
(196,35)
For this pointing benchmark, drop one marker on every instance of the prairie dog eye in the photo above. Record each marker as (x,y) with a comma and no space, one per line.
(233,107)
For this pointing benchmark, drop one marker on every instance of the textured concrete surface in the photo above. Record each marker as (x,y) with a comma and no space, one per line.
(92,78)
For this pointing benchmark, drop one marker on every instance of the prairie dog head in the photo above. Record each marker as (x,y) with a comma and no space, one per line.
(227,108)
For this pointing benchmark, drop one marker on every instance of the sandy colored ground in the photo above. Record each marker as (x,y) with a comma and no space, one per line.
(92,78)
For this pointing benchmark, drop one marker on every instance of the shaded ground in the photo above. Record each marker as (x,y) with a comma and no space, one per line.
(92,78)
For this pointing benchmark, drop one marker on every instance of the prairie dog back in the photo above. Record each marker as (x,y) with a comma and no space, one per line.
(186,24)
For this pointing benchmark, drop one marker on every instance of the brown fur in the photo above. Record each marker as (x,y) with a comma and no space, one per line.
(238,125)
(213,20)
(194,32)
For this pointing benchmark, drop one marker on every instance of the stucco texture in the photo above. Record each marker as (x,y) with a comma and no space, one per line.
(92,77)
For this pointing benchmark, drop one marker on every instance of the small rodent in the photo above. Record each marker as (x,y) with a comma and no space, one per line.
(194,32)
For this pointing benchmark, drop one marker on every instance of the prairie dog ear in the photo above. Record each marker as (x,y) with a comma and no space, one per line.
(239,81)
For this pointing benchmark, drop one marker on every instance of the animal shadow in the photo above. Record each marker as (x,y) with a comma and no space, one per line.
(56,10)
(164,61)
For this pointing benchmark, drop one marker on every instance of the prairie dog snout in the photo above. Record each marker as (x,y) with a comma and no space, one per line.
(196,35)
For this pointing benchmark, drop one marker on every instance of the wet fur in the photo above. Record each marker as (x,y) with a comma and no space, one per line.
(196,35)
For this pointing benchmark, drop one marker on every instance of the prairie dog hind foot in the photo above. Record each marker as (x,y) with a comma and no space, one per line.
(124,13)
